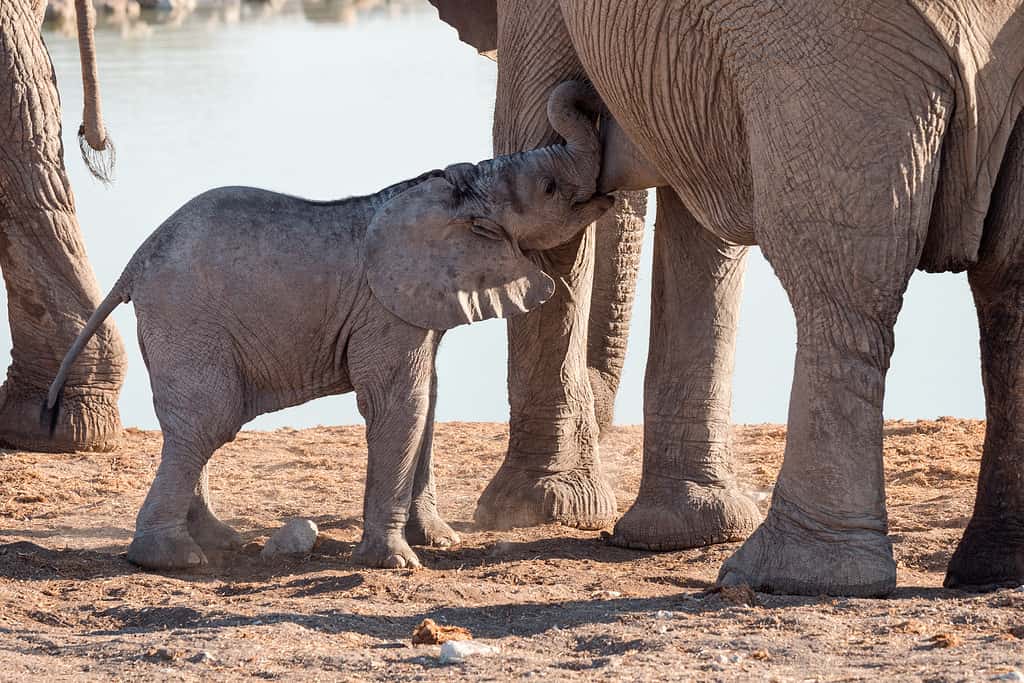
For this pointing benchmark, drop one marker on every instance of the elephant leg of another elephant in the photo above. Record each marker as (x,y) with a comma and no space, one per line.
(991,552)
(51,289)
(618,238)
(688,494)
(425,526)
(51,292)
(552,470)
(842,223)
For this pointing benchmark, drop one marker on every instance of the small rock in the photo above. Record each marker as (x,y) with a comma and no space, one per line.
(455,651)
(1008,676)
(607,595)
(203,657)
(1019,589)
(663,614)
(297,537)
(429,633)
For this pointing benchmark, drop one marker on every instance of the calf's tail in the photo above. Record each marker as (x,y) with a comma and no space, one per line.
(51,408)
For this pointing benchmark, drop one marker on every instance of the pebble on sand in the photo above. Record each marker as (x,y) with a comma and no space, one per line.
(297,537)
(455,651)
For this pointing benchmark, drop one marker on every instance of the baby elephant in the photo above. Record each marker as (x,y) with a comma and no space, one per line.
(250,301)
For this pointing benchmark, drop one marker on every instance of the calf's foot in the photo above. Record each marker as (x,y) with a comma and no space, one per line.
(387,552)
(428,529)
(990,555)
(675,515)
(580,498)
(791,554)
(170,548)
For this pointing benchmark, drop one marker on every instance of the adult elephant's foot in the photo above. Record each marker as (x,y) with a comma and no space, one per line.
(385,552)
(85,420)
(675,515)
(990,555)
(170,548)
(791,554)
(428,529)
(580,498)
(209,532)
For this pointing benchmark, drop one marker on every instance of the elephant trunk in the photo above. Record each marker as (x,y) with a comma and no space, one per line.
(97,149)
(572,110)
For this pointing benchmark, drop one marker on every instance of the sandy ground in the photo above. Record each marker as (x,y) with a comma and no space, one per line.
(558,602)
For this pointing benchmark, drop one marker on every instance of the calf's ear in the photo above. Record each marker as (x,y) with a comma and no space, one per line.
(475,20)
(436,271)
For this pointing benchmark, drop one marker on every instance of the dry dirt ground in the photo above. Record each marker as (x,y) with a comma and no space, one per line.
(558,602)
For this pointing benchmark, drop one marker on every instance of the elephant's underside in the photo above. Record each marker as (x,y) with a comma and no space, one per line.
(986,50)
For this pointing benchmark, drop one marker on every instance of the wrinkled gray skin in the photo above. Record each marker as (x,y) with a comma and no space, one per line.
(688,495)
(51,289)
(854,142)
(250,301)
(566,360)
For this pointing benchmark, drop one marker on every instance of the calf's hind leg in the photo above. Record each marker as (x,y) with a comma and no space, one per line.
(204,526)
(991,551)
(176,526)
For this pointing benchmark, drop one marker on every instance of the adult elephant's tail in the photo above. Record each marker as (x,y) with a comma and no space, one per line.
(97,149)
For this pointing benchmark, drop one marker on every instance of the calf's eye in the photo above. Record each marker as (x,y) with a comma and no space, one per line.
(549,186)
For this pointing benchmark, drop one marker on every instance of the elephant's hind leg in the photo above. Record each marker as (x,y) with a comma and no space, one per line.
(198,399)
(204,526)
(991,551)
(842,210)
(688,495)
(51,290)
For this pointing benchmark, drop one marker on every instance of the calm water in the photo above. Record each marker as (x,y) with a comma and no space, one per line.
(305,104)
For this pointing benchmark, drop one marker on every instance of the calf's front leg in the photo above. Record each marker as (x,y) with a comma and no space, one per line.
(395,396)
(425,526)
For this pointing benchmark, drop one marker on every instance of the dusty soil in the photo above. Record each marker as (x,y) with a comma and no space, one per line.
(558,602)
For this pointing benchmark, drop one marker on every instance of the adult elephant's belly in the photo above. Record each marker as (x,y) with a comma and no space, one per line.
(665,84)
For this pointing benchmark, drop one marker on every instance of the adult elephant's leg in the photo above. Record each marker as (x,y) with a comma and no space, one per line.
(991,551)
(842,208)
(551,472)
(688,495)
(51,289)
(618,238)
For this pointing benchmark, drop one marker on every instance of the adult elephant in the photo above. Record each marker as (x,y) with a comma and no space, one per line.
(51,289)
(565,359)
(854,142)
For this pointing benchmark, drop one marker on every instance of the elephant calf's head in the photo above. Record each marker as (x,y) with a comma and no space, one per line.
(448,251)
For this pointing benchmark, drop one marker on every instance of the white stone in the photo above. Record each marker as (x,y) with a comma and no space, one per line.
(663,614)
(1009,676)
(455,651)
(294,538)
